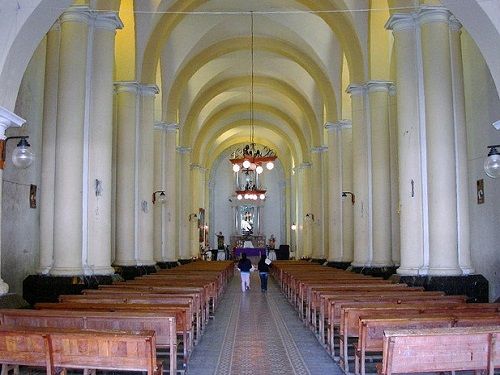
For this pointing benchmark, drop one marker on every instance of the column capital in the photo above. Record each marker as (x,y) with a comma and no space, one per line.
(455,24)
(319,149)
(149,89)
(339,125)
(108,21)
(303,165)
(355,89)
(168,128)
(126,86)
(183,150)
(9,119)
(428,14)
(377,86)
(76,13)
(198,167)
(400,22)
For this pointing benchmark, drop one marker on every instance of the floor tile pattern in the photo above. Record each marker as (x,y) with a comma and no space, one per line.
(258,333)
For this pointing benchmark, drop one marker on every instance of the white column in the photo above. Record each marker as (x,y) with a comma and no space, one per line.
(464,252)
(68,210)
(126,166)
(307,216)
(411,147)
(101,144)
(318,248)
(378,95)
(361,180)
(198,194)
(184,202)
(337,225)
(159,185)
(441,165)
(49,150)
(145,176)
(347,206)
(170,207)
(393,136)
(7,120)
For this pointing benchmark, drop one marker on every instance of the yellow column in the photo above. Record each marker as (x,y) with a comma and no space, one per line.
(170,207)
(307,214)
(361,180)
(198,194)
(378,95)
(68,211)
(145,176)
(100,147)
(49,151)
(347,206)
(185,214)
(441,163)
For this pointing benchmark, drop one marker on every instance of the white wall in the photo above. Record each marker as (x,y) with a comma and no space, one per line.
(482,109)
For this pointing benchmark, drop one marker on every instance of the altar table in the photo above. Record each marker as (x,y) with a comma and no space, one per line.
(250,251)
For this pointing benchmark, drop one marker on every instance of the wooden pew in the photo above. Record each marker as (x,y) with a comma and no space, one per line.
(441,349)
(184,327)
(371,330)
(163,325)
(67,348)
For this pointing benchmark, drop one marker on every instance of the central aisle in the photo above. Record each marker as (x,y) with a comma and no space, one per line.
(258,333)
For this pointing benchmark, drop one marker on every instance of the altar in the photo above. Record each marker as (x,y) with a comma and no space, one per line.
(250,251)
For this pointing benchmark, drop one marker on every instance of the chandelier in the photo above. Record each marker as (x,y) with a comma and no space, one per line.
(251,159)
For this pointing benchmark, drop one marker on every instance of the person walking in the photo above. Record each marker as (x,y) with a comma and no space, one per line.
(263,267)
(244,265)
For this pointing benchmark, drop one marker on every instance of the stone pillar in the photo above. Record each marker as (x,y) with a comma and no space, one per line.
(49,151)
(318,243)
(170,207)
(378,96)
(441,162)
(337,252)
(7,120)
(198,194)
(464,252)
(347,206)
(307,216)
(100,145)
(159,186)
(126,168)
(145,176)
(185,202)
(411,145)
(68,214)
(361,177)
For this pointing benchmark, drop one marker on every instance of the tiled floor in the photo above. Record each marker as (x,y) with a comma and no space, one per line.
(258,333)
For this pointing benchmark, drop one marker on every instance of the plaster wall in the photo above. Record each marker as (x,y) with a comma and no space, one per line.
(20,223)
(482,109)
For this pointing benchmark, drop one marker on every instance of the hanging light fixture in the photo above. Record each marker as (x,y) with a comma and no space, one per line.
(492,162)
(252,159)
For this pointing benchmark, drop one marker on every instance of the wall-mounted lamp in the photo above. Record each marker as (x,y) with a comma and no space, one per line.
(492,162)
(22,156)
(346,193)
(162,198)
(193,216)
(310,216)
(293,227)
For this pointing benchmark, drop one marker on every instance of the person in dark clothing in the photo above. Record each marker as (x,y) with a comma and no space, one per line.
(263,267)
(244,265)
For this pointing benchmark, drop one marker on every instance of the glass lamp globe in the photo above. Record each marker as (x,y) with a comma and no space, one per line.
(259,169)
(22,156)
(262,197)
(162,198)
(293,226)
(492,164)
(270,165)
(240,197)
(236,167)
(246,164)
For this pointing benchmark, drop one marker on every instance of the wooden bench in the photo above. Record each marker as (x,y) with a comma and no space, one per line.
(184,327)
(441,349)
(68,348)
(163,325)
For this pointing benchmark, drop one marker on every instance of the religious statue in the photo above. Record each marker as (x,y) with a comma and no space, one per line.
(272,242)
(220,241)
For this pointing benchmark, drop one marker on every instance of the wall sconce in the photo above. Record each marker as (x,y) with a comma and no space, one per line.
(22,156)
(161,198)
(353,197)
(193,216)
(293,227)
(492,162)
(310,216)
